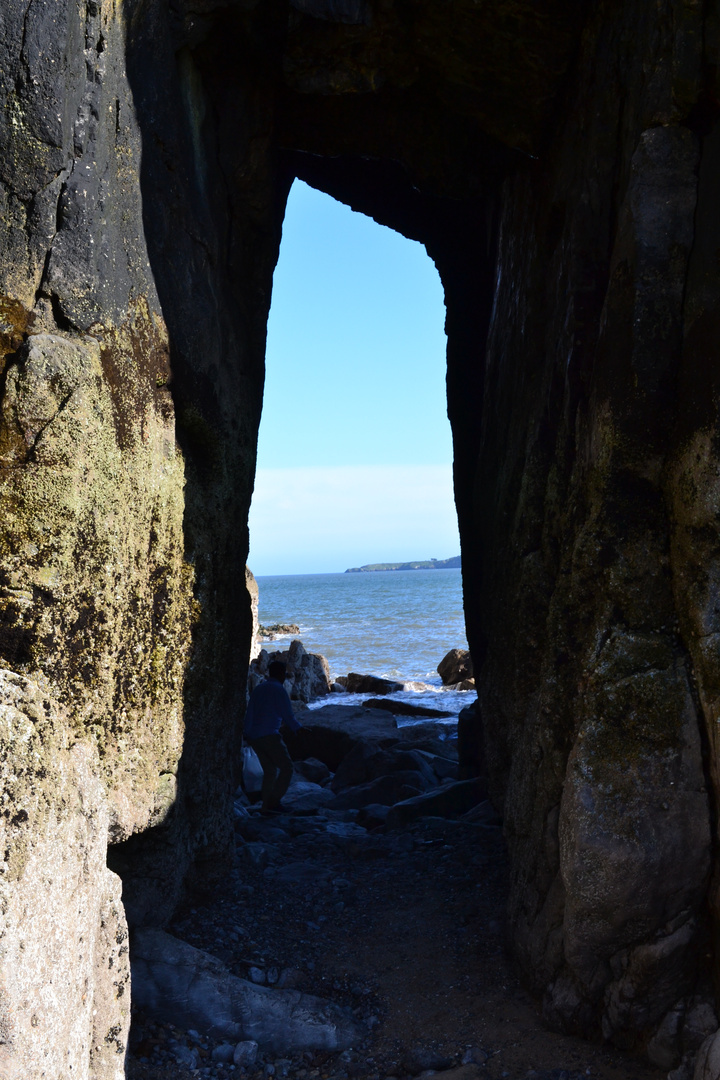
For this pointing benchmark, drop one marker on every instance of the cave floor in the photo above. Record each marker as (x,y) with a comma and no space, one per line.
(403,928)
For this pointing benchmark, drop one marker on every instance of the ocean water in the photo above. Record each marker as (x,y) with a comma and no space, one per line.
(397,624)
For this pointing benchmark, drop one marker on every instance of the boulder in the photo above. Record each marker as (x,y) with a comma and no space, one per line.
(424,730)
(354,767)
(444,748)
(330,732)
(368,761)
(446,801)
(175,983)
(386,790)
(455,666)
(65,978)
(405,708)
(372,816)
(444,768)
(308,674)
(276,630)
(370,684)
(312,769)
(305,795)
(700,1022)
(707,1064)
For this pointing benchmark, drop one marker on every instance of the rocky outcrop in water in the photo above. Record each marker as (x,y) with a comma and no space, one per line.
(307,674)
(559,163)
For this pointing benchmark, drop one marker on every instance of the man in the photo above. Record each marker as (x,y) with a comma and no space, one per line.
(268,708)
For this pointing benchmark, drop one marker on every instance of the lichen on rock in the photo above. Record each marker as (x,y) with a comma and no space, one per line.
(65,982)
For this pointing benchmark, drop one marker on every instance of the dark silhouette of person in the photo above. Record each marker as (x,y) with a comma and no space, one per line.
(268,708)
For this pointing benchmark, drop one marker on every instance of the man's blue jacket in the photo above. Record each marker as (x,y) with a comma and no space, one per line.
(268,708)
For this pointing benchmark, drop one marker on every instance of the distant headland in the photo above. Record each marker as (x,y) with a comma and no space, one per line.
(426,564)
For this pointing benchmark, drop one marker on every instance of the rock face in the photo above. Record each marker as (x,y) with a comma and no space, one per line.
(308,674)
(183,985)
(559,162)
(252,587)
(65,980)
(455,667)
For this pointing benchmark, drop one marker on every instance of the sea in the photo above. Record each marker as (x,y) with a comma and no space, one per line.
(397,624)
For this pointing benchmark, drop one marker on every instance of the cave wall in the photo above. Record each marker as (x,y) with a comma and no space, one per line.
(560,165)
(595,512)
(130,391)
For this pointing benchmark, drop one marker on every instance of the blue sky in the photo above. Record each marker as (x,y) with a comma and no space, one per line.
(354,455)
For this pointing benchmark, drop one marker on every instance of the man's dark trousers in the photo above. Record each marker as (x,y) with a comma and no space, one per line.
(277,768)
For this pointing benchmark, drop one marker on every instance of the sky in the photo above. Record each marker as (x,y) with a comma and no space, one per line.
(354,454)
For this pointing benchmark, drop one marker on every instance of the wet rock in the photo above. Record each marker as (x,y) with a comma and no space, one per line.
(405,708)
(275,630)
(370,684)
(174,982)
(455,667)
(308,674)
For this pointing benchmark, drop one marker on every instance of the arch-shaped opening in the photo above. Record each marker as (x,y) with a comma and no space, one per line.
(559,162)
(556,478)
(354,453)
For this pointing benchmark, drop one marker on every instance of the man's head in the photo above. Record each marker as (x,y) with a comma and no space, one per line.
(277,671)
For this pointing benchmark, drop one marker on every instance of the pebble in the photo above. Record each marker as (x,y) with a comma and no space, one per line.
(245,1053)
(183,1054)
(474,1056)
(224,1053)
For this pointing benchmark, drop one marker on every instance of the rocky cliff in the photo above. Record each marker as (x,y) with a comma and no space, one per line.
(559,162)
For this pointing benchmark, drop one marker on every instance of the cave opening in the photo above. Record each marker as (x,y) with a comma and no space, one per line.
(354,379)
(559,161)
